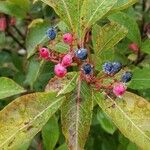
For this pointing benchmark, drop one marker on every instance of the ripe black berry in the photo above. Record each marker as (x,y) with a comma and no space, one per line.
(116,67)
(112,67)
(82,53)
(126,77)
(51,33)
(107,67)
(87,68)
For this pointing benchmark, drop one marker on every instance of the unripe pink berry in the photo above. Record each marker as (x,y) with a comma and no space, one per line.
(119,89)
(134,47)
(67,60)
(3,24)
(68,38)
(13,21)
(44,52)
(60,70)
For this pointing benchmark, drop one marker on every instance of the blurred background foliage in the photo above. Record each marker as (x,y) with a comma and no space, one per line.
(26,24)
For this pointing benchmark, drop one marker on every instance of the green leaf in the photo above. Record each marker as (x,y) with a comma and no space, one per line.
(62,85)
(141,79)
(76,115)
(68,10)
(106,122)
(33,72)
(62,147)
(15,8)
(80,15)
(25,4)
(35,36)
(2,39)
(122,4)
(50,133)
(22,119)
(61,47)
(92,11)
(8,88)
(130,24)
(132,146)
(131,115)
(63,27)
(106,37)
(146,46)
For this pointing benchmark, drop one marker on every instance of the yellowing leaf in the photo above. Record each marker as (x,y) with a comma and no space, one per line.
(80,15)
(62,85)
(76,115)
(131,115)
(8,88)
(68,10)
(22,119)
(129,23)
(106,37)
(92,11)
(123,4)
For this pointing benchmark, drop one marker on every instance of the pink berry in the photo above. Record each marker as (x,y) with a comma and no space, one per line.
(119,89)
(68,38)
(44,52)
(3,24)
(67,60)
(13,21)
(60,70)
(134,47)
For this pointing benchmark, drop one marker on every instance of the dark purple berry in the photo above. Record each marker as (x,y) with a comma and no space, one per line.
(82,53)
(107,67)
(87,68)
(51,33)
(112,67)
(116,67)
(126,77)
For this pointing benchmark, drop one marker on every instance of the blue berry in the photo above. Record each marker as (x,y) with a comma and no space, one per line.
(82,53)
(51,33)
(112,68)
(107,67)
(87,68)
(117,67)
(126,77)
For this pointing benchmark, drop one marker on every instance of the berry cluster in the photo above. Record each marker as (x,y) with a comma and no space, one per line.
(111,68)
(60,69)
(80,57)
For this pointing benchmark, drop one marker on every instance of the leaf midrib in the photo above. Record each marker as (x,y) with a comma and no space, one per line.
(94,13)
(78,111)
(69,17)
(60,92)
(100,51)
(129,118)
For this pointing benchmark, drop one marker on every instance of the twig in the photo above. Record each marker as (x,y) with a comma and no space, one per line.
(15,39)
(19,32)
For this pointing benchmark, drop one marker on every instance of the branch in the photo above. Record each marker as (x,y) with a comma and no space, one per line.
(15,39)
(19,32)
